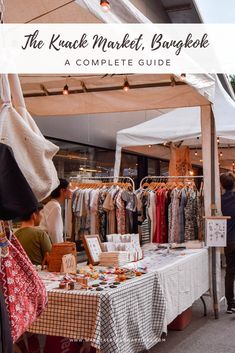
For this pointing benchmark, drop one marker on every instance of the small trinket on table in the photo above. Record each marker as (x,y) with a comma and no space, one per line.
(63,285)
(71,285)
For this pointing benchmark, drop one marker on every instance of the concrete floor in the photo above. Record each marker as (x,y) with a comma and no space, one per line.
(204,334)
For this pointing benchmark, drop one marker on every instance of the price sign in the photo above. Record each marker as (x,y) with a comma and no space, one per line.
(68,264)
(216,231)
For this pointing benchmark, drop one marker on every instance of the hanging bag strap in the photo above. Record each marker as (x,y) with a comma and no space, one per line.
(16,91)
(18,103)
(5,91)
(5,237)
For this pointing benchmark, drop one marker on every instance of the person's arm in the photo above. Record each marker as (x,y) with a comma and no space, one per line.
(45,244)
(55,225)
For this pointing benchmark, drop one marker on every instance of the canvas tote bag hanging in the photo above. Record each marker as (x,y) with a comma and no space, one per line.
(32,151)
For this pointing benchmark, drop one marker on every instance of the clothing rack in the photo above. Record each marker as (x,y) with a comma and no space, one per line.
(108,178)
(164,177)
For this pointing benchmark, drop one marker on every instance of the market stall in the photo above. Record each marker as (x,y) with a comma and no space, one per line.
(155,92)
(113,312)
(146,92)
(158,96)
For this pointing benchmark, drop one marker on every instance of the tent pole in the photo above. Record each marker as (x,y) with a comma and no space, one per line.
(211,188)
(213,213)
(117,163)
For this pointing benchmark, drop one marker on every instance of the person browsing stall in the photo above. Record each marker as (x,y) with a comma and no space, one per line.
(35,241)
(228,209)
(52,220)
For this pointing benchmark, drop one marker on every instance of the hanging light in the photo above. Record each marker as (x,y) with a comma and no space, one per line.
(105,5)
(172,81)
(218,140)
(66,90)
(150,146)
(195,153)
(191,172)
(221,154)
(126,85)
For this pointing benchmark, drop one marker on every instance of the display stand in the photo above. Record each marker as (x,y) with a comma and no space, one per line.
(216,236)
(216,231)
(92,245)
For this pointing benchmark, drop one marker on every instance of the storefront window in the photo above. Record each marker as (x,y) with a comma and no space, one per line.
(153,167)
(74,160)
(77,160)
(164,168)
(129,165)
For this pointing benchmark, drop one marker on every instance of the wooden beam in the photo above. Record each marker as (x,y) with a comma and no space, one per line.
(164,97)
(84,89)
(180,7)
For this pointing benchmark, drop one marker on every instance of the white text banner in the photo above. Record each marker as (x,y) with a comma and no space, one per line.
(117,48)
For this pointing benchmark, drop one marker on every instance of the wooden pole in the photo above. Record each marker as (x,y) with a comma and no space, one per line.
(213,213)
(210,172)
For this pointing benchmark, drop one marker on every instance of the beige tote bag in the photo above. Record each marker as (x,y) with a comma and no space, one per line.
(32,151)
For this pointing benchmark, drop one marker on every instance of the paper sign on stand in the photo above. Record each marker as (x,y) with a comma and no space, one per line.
(216,231)
(68,264)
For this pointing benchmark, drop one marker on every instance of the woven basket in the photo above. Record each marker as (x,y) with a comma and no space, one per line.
(56,254)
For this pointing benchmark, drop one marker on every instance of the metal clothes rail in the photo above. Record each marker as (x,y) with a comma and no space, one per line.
(164,177)
(109,178)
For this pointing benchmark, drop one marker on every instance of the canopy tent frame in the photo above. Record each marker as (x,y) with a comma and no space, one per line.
(103,94)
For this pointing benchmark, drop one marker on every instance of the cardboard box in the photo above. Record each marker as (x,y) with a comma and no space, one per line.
(181,321)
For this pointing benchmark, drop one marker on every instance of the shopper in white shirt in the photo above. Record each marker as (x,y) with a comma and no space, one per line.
(52,220)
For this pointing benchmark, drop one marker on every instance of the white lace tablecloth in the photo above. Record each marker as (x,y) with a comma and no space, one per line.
(183,274)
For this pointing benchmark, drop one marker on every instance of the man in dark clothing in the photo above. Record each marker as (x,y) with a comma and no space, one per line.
(228,209)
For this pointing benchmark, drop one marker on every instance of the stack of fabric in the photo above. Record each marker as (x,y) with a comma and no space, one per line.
(114,258)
